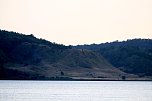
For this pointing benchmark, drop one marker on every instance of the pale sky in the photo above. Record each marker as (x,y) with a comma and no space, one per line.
(78,21)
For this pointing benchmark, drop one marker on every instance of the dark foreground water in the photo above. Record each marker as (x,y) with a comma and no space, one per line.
(75,91)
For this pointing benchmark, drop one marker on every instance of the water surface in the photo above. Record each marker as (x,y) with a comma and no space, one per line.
(75,91)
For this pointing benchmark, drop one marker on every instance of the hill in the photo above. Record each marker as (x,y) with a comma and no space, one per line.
(131,56)
(27,57)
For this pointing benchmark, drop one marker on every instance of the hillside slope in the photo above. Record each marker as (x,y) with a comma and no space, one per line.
(26,57)
(131,56)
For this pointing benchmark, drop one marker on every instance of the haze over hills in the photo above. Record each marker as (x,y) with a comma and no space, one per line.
(27,57)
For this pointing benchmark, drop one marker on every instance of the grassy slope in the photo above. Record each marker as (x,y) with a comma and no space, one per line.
(26,57)
(75,64)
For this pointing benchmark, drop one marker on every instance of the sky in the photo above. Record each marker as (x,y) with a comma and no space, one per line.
(73,22)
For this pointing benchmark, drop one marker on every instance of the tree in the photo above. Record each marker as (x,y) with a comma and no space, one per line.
(62,73)
(123,77)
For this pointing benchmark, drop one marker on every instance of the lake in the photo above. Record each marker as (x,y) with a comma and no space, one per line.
(75,90)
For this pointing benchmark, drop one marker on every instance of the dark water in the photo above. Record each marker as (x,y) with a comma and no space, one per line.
(75,91)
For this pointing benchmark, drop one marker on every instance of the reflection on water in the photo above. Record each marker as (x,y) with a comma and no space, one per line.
(75,91)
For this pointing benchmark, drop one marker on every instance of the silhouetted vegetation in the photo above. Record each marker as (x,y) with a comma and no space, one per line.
(26,49)
(62,73)
(123,77)
(27,57)
(132,56)
(15,46)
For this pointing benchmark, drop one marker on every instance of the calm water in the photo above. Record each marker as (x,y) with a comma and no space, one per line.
(75,91)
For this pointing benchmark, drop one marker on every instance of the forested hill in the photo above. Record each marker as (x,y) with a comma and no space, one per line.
(27,57)
(17,50)
(13,46)
(141,43)
(133,56)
